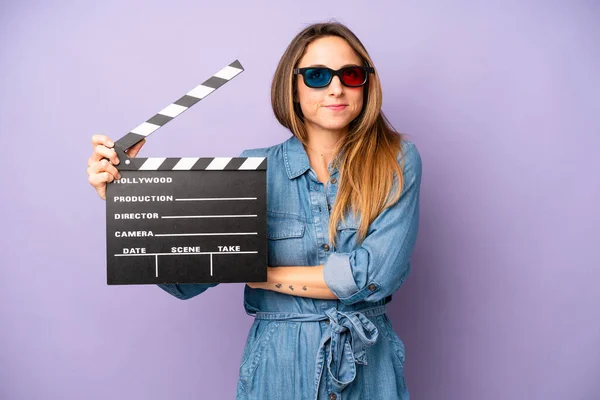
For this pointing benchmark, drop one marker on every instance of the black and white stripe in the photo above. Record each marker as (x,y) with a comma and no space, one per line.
(186,101)
(198,164)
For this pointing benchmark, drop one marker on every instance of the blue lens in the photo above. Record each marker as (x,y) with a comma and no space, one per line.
(317,77)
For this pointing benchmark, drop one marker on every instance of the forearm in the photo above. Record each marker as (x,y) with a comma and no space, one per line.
(298,281)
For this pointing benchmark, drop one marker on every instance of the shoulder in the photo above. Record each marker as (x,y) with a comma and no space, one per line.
(263,151)
(409,158)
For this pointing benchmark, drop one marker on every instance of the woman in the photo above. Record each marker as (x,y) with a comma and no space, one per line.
(342,220)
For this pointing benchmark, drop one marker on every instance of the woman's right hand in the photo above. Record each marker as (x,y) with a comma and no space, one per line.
(100,171)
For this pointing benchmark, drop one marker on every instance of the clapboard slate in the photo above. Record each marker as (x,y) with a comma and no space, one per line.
(195,226)
(186,220)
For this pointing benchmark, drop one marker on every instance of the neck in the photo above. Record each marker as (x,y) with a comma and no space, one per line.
(322,145)
(322,149)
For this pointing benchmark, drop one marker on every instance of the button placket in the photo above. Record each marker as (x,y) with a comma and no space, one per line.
(321,218)
(329,197)
(318,217)
(324,247)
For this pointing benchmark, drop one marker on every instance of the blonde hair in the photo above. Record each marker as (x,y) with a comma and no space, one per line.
(368,161)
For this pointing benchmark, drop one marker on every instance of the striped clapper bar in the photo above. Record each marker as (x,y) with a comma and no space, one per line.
(186,220)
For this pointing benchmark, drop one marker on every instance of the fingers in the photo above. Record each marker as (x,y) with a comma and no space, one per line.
(101,139)
(100,152)
(99,181)
(102,146)
(100,173)
(100,170)
(101,164)
(104,166)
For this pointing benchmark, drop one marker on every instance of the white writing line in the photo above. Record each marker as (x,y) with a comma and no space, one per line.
(186,254)
(211,264)
(206,234)
(210,216)
(217,198)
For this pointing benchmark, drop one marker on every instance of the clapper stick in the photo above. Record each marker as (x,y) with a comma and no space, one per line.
(189,219)
(171,112)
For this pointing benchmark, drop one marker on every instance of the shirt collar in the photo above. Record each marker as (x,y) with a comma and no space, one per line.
(295,158)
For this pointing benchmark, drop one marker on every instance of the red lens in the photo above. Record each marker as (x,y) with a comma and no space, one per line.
(353,76)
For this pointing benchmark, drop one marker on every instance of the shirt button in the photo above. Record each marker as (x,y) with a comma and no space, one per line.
(326,247)
(329,207)
(333,180)
(371,287)
(332,396)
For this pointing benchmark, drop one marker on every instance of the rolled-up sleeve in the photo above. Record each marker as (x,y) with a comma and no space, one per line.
(377,268)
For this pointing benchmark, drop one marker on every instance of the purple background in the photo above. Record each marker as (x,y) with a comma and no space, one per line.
(501,99)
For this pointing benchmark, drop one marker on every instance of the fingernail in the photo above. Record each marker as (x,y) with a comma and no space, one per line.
(110,143)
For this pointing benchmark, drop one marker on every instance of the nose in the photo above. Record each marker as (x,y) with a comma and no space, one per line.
(335,87)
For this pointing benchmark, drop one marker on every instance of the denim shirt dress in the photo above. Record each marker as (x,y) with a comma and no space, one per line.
(344,349)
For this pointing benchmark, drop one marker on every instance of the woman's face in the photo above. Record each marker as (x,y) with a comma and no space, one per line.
(318,104)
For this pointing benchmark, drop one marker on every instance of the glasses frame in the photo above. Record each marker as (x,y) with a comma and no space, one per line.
(338,73)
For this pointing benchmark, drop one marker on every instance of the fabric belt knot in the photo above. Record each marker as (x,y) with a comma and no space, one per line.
(343,344)
(349,335)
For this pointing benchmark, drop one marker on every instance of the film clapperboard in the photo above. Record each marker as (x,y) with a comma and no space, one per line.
(186,220)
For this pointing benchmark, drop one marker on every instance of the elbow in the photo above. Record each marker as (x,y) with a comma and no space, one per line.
(387,284)
(370,293)
(174,291)
(186,291)
(352,284)
(346,282)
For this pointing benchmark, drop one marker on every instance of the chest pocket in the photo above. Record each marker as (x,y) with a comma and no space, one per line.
(347,233)
(285,241)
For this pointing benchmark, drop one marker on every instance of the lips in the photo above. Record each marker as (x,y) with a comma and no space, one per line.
(337,107)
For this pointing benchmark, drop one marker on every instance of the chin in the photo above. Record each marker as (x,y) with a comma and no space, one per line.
(333,125)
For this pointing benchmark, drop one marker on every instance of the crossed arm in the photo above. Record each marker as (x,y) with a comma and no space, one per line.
(297,281)
(370,272)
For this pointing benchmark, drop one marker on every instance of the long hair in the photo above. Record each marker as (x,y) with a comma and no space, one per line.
(368,162)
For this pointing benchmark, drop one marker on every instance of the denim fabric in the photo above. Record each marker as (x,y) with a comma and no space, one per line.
(303,348)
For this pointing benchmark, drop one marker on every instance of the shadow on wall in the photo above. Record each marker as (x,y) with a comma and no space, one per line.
(419,307)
